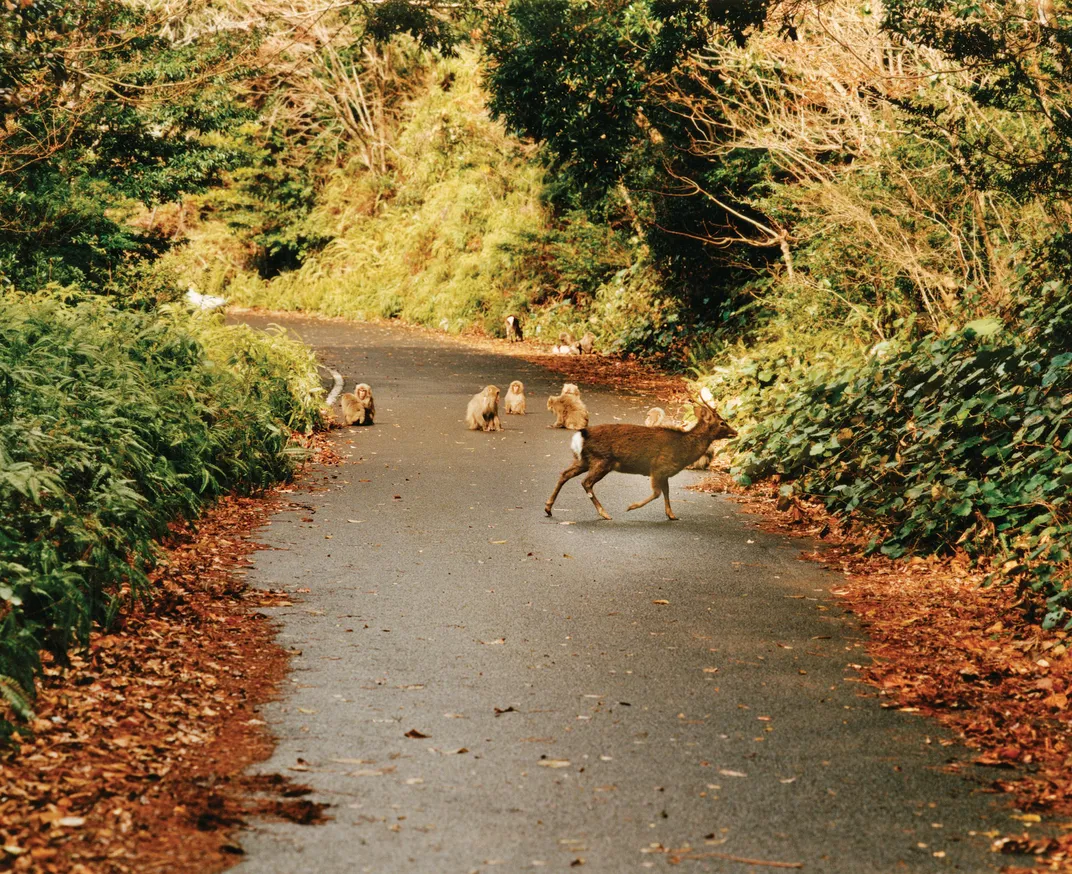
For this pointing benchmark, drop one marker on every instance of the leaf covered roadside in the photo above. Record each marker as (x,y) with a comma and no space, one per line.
(943,645)
(137,753)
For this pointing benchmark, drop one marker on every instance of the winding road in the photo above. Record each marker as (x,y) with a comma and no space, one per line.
(479,688)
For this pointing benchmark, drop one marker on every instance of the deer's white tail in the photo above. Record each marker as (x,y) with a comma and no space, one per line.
(577,443)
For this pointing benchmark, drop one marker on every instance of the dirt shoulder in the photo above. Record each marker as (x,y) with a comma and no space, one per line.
(139,746)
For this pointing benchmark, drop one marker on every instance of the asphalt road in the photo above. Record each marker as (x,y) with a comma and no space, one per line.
(483,689)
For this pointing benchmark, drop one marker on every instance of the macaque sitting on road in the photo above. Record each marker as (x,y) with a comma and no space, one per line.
(482,413)
(588,343)
(515,399)
(513,329)
(358,408)
(570,411)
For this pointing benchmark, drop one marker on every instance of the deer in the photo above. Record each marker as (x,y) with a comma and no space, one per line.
(656,452)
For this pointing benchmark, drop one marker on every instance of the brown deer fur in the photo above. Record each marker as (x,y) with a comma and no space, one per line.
(655,452)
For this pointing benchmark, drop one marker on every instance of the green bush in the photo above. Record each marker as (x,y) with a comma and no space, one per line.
(960,441)
(112,424)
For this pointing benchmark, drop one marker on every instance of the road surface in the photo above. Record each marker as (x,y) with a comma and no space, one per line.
(480,688)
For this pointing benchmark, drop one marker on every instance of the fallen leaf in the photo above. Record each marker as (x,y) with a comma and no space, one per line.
(554,763)
(660,601)
(71,821)
(727,773)
(413,733)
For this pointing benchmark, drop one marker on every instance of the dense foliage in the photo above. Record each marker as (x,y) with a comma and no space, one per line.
(100,111)
(604,87)
(962,441)
(854,225)
(112,424)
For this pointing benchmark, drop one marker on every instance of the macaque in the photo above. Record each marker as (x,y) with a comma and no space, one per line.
(515,399)
(482,413)
(570,411)
(358,408)
(566,345)
(657,418)
(513,330)
(588,343)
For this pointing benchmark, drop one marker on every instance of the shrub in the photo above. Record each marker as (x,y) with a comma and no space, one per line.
(112,424)
(955,441)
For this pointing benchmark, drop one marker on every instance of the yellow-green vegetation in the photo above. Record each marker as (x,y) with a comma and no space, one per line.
(846,219)
(457,235)
(436,247)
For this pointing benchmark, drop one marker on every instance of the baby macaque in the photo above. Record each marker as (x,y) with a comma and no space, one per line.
(513,330)
(483,411)
(588,343)
(570,411)
(657,418)
(515,399)
(358,408)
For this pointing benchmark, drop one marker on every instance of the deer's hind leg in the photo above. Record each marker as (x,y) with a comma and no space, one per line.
(655,492)
(664,484)
(597,473)
(578,467)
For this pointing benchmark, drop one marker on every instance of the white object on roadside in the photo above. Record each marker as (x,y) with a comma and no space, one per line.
(203,301)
